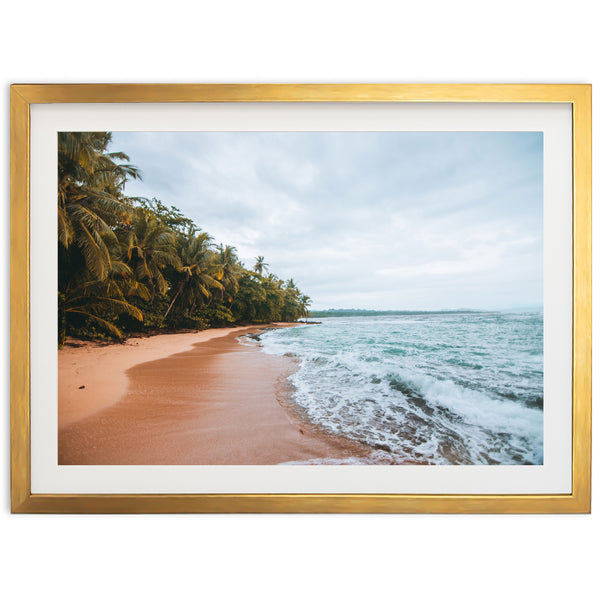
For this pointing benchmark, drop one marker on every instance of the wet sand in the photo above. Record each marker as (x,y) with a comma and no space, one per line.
(211,401)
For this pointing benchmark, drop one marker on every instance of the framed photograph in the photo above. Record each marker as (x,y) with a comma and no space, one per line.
(301,298)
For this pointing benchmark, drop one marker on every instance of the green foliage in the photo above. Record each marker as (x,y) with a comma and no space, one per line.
(133,265)
(217,316)
(172,217)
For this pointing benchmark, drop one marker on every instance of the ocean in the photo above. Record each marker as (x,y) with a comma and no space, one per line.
(433,388)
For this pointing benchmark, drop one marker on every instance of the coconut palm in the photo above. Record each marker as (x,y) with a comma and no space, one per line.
(147,246)
(90,196)
(197,280)
(95,303)
(304,303)
(274,300)
(227,270)
(260,265)
(250,297)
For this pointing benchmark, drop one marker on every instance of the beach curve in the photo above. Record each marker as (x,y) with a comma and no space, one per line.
(193,398)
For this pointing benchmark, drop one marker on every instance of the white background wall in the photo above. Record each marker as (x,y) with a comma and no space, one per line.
(362,556)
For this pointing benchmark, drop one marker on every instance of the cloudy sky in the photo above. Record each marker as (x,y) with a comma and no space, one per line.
(380,220)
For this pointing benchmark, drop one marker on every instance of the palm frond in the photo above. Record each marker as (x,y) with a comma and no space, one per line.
(94,252)
(103,323)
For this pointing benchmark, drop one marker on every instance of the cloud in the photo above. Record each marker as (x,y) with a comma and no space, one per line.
(363,219)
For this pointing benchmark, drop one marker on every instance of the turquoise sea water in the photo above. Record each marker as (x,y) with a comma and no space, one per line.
(434,388)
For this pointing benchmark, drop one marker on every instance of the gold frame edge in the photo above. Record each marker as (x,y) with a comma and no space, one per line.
(23,501)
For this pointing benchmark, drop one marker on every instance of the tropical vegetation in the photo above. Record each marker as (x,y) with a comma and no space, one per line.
(129,265)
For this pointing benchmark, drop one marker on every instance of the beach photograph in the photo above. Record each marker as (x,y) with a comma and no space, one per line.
(300,298)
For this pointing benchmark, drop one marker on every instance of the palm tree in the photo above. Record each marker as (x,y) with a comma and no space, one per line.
(197,281)
(275,299)
(251,295)
(227,270)
(90,196)
(147,246)
(94,303)
(291,310)
(305,302)
(260,265)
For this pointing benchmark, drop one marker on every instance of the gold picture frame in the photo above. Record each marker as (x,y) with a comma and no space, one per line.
(24,501)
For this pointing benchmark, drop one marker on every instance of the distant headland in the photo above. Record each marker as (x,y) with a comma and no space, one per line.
(359,312)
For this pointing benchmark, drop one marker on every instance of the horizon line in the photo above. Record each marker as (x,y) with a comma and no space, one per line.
(409,310)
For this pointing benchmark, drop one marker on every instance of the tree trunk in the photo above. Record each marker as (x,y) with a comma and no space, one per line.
(176,296)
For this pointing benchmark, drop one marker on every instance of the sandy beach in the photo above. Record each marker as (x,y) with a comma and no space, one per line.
(190,398)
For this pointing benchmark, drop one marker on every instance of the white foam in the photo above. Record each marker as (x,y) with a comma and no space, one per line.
(345,384)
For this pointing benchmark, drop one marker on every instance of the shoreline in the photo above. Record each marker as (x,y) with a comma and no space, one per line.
(190,398)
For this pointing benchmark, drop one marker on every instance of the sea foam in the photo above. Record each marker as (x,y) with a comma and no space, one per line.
(427,389)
